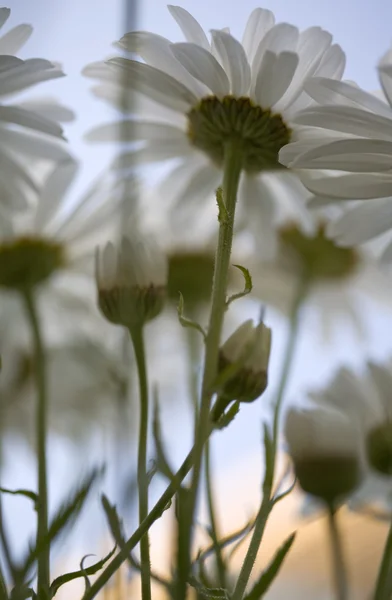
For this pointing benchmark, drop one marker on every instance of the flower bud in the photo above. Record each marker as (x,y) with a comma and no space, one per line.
(249,348)
(324,446)
(379,448)
(131,282)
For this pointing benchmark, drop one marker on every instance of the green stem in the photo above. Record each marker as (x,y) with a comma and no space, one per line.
(221,569)
(231,178)
(41,431)
(138,345)
(337,556)
(267,501)
(3,587)
(384,578)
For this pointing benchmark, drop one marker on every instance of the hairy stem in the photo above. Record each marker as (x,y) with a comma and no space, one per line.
(337,557)
(384,578)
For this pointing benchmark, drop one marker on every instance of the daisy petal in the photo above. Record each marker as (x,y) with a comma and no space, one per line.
(9,62)
(200,187)
(348,155)
(202,65)
(280,38)
(347,119)
(361,186)
(156,51)
(259,22)
(322,201)
(153,152)
(332,64)
(4,15)
(53,192)
(330,91)
(362,223)
(189,26)
(132,130)
(385,75)
(278,71)
(49,108)
(29,119)
(14,39)
(34,145)
(386,257)
(234,61)
(32,71)
(158,86)
(14,170)
(259,202)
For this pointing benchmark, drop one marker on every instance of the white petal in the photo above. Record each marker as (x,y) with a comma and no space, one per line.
(158,86)
(259,22)
(280,38)
(34,145)
(202,65)
(363,222)
(274,77)
(156,51)
(347,119)
(259,206)
(29,119)
(330,91)
(32,71)
(50,108)
(191,29)
(153,152)
(322,201)
(200,187)
(291,151)
(53,192)
(356,187)
(386,257)
(234,61)
(98,70)
(9,62)
(129,131)
(385,75)
(12,41)
(348,155)
(4,15)
(332,64)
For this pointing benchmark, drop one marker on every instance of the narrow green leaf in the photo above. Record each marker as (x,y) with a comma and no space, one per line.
(247,287)
(206,592)
(262,585)
(114,521)
(283,495)
(188,322)
(229,416)
(162,462)
(62,520)
(27,493)
(84,572)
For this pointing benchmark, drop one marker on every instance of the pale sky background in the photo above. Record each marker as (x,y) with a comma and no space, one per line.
(75,33)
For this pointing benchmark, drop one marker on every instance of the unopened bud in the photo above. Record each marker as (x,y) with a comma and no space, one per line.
(324,446)
(131,283)
(379,448)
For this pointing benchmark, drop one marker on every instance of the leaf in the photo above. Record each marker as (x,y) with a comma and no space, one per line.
(206,592)
(188,322)
(229,416)
(162,462)
(27,493)
(64,517)
(262,585)
(248,285)
(114,521)
(277,498)
(84,571)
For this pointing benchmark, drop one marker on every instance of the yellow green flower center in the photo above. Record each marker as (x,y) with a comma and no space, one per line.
(26,262)
(259,132)
(191,274)
(315,255)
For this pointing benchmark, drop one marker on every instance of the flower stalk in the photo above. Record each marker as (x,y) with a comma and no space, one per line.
(43,575)
(384,578)
(337,556)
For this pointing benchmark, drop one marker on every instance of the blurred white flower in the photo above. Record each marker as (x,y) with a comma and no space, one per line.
(198,94)
(325,447)
(355,163)
(28,130)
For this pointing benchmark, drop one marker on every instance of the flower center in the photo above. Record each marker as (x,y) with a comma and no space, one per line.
(317,256)
(27,262)
(260,134)
(191,274)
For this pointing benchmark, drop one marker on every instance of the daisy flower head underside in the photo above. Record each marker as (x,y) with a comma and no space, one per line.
(347,154)
(29,129)
(202,95)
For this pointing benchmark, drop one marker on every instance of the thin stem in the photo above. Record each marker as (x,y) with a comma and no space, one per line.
(214,532)
(145,570)
(41,431)
(384,578)
(3,586)
(337,556)
(267,501)
(6,546)
(231,178)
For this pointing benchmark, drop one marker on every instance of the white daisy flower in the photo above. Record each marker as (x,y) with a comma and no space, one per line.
(28,129)
(50,247)
(366,400)
(199,94)
(333,281)
(355,164)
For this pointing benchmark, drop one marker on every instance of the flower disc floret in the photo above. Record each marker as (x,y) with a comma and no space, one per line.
(260,133)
